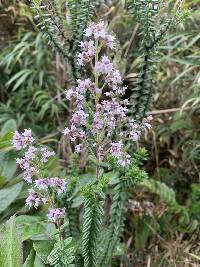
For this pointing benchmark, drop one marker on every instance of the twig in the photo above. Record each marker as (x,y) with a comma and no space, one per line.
(131,40)
(170,110)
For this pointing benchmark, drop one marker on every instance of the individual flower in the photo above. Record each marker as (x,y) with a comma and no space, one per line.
(34,199)
(87,52)
(78,148)
(58,184)
(45,154)
(97,30)
(29,173)
(113,79)
(79,117)
(124,160)
(116,149)
(55,215)
(69,93)
(23,139)
(41,183)
(30,153)
(23,163)
(104,66)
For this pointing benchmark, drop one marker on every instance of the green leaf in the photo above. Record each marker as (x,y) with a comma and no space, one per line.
(20,77)
(38,262)
(30,259)
(9,126)
(9,168)
(32,231)
(43,249)
(32,227)
(28,219)
(5,141)
(10,246)
(8,195)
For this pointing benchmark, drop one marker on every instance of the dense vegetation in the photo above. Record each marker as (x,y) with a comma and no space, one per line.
(153,221)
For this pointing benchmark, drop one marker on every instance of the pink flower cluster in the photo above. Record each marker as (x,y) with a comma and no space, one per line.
(57,184)
(25,140)
(32,165)
(22,140)
(55,215)
(103,119)
(34,199)
(98,32)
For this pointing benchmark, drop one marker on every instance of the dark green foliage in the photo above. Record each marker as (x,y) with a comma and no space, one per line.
(168,196)
(81,14)
(64,37)
(92,220)
(146,12)
(153,30)
(111,238)
(128,177)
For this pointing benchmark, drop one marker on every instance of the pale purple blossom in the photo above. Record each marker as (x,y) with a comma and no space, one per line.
(45,154)
(29,173)
(124,160)
(78,148)
(23,139)
(87,52)
(104,119)
(23,163)
(69,94)
(55,215)
(41,183)
(135,135)
(58,184)
(113,79)
(34,199)
(116,149)
(30,153)
(79,118)
(97,30)
(83,85)
(104,66)
(66,131)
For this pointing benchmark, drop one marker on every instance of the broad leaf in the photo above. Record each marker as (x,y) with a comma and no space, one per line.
(8,195)
(10,246)
(9,126)
(43,249)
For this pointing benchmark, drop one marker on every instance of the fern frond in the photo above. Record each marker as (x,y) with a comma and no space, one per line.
(167,194)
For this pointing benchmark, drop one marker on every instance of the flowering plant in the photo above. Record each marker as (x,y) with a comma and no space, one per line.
(99,127)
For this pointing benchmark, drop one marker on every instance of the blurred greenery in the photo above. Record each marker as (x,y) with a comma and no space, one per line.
(162,225)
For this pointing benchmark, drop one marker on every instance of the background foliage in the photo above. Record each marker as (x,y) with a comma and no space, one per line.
(162,223)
